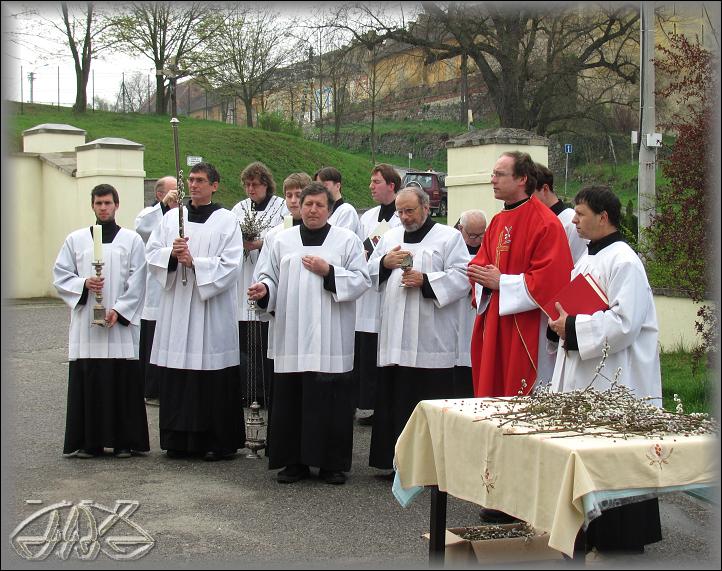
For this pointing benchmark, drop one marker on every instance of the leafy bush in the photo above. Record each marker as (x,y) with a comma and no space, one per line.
(678,244)
(276,122)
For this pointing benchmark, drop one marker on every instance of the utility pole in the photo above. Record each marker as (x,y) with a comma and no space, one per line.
(31,77)
(648,139)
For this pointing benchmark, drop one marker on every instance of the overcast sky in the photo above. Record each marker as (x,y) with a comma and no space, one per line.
(54,73)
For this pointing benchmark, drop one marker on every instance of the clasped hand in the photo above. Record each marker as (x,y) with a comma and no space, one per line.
(487,276)
(394,258)
(181,251)
(317,265)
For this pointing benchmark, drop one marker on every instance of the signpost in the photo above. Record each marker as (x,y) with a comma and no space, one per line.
(192,160)
(567,152)
(411,156)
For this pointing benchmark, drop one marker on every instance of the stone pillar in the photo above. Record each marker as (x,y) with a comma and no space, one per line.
(470,160)
(52,138)
(114,161)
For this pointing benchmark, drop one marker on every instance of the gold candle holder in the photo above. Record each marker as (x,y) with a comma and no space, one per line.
(98,308)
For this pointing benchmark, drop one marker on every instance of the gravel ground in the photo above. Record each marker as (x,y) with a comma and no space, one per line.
(234,513)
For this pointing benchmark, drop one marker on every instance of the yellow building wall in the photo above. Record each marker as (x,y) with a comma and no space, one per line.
(676,317)
(51,204)
(469,178)
(24,198)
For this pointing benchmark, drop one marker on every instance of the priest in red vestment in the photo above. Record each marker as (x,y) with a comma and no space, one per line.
(524,259)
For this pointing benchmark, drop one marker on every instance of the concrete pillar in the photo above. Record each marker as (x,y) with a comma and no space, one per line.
(52,138)
(114,161)
(471,158)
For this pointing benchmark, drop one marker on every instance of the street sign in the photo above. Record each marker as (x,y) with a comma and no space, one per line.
(191,160)
(568,149)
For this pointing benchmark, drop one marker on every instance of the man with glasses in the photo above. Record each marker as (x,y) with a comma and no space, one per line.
(472,225)
(523,261)
(420,269)
(266,210)
(196,339)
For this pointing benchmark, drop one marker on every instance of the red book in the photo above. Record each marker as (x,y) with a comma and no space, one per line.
(582,295)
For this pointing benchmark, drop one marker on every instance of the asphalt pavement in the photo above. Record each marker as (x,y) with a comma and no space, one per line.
(194,514)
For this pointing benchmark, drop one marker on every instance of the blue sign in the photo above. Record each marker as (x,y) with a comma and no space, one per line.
(568,149)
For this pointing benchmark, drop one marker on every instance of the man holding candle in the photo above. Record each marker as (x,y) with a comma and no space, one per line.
(105,391)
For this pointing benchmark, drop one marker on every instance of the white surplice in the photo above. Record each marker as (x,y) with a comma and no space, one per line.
(415,331)
(346,216)
(197,325)
(629,326)
(368,318)
(269,217)
(314,328)
(577,244)
(466,315)
(148,220)
(124,272)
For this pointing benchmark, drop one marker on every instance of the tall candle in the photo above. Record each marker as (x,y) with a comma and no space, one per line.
(288,221)
(98,243)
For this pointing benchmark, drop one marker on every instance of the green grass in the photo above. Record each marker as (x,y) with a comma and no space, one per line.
(230,148)
(621,178)
(694,383)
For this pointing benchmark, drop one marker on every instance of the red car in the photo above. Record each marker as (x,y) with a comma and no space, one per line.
(434,183)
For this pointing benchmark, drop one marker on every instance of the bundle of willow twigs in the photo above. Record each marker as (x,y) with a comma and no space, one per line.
(497,532)
(614,413)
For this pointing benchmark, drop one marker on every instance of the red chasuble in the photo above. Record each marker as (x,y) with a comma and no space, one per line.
(529,240)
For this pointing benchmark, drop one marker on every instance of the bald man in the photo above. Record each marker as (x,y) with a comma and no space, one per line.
(166,198)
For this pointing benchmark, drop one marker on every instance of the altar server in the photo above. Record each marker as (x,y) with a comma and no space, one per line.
(385,183)
(343,213)
(105,390)
(629,328)
(472,225)
(148,219)
(258,213)
(418,331)
(311,278)
(196,340)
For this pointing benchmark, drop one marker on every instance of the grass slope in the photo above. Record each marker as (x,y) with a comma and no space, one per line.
(228,147)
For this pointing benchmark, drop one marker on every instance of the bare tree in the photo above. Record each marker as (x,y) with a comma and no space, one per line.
(80,27)
(533,60)
(245,54)
(133,93)
(167,33)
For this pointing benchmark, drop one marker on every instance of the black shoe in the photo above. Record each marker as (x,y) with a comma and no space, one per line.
(88,453)
(366,420)
(332,477)
(496,517)
(292,473)
(389,476)
(215,455)
(171,453)
(121,452)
